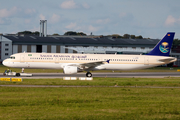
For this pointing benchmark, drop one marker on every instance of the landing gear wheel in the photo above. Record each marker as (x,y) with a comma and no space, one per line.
(17,74)
(88,74)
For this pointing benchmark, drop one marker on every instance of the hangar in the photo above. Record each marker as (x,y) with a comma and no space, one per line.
(11,44)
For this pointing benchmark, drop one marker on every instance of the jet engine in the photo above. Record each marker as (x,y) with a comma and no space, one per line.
(70,70)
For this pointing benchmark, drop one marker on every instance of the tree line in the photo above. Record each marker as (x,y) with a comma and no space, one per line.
(28,33)
(72,33)
(125,36)
(69,33)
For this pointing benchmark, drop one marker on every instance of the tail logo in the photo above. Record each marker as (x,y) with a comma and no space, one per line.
(164,47)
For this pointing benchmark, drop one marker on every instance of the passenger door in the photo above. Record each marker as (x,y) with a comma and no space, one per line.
(146,60)
(22,58)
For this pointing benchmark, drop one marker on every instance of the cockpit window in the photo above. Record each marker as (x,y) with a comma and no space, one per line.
(12,57)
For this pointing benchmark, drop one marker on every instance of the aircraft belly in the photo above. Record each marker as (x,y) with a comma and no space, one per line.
(37,65)
(126,66)
(46,65)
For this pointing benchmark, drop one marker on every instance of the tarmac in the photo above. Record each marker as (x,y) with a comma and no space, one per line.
(112,75)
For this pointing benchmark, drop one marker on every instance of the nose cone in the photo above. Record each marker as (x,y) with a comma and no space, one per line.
(5,63)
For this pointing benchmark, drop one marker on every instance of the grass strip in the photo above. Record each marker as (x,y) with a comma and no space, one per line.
(89,103)
(171,82)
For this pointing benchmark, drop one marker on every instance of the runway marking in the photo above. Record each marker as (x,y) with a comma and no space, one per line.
(78,86)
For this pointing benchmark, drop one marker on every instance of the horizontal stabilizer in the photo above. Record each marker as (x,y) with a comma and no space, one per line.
(168,60)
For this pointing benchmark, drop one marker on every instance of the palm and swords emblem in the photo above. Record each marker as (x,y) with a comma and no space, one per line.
(164,47)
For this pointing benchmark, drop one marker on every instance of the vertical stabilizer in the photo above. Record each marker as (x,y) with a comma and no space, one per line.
(163,47)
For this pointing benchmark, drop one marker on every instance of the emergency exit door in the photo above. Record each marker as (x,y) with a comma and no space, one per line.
(56,59)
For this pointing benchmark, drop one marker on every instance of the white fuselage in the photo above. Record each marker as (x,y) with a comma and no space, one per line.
(60,60)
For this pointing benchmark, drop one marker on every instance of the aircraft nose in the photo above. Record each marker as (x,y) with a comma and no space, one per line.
(4,63)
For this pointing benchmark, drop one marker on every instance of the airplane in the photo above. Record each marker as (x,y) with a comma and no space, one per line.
(74,63)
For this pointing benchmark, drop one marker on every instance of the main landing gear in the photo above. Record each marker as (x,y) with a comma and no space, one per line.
(88,74)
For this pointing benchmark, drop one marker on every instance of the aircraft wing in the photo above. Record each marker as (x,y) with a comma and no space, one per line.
(90,65)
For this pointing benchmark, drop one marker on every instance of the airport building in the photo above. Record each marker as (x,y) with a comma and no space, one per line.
(64,44)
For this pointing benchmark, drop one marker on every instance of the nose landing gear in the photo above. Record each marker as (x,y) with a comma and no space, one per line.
(88,74)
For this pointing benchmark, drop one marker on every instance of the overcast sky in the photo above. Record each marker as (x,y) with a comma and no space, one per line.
(149,18)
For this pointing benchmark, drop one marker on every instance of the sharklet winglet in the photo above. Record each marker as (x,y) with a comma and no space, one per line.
(108,61)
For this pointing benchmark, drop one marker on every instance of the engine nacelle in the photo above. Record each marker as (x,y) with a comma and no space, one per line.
(70,70)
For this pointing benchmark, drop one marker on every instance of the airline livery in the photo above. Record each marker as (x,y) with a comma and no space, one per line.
(74,63)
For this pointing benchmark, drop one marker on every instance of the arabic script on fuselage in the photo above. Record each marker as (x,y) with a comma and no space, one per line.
(65,56)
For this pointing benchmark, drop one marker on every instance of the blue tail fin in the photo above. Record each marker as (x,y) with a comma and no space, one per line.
(163,47)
